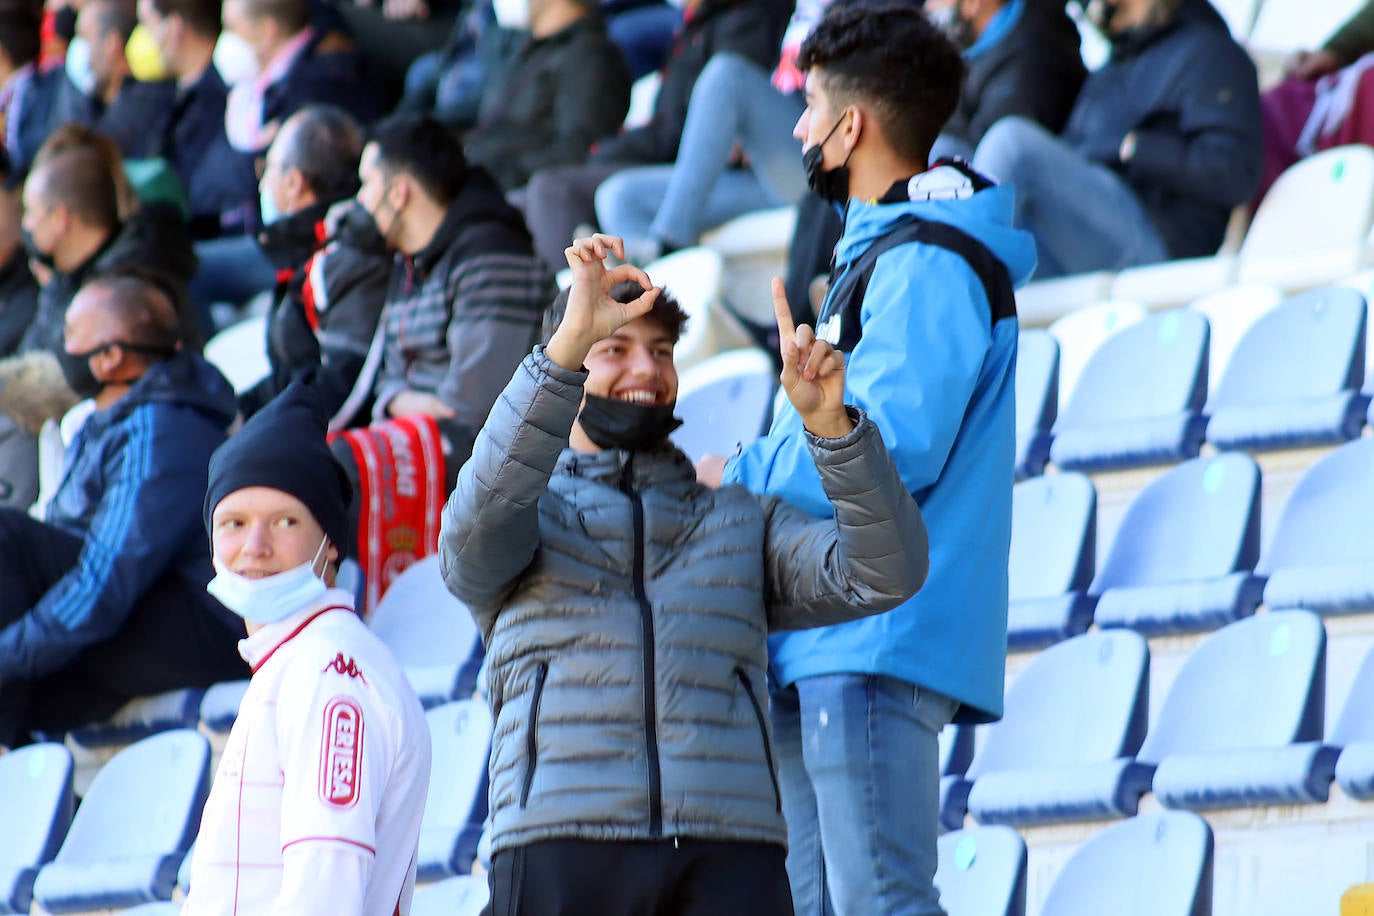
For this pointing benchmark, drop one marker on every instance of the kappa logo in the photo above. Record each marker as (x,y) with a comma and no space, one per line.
(341,754)
(346,667)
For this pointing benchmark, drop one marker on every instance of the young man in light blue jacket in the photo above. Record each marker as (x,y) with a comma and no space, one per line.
(921,303)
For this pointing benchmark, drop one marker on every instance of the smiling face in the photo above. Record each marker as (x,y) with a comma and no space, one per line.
(259,532)
(635,365)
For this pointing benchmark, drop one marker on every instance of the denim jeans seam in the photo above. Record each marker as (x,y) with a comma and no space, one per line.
(871,685)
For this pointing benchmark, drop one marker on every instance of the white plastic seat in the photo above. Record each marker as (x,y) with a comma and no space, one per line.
(643,96)
(464,895)
(1230,312)
(456,807)
(1285,26)
(693,276)
(1082,331)
(240,352)
(1173,283)
(754,247)
(1239,16)
(1044,301)
(725,402)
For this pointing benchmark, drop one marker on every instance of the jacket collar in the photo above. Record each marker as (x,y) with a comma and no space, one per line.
(666,465)
(260,647)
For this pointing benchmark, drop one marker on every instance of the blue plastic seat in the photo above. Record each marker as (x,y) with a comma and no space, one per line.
(1353,734)
(1184,556)
(982,872)
(133,828)
(456,806)
(1242,723)
(1139,399)
(142,717)
(161,908)
(220,706)
(36,804)
(1073,720)
(431,634)
(725,402)
(1153,865)
(1037,399)
(1053,551)
(1294,378)
(464,895)
(1321,555)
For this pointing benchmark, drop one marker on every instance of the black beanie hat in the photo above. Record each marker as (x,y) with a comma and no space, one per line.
(283,447)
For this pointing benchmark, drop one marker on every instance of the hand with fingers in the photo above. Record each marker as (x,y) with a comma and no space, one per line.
(812,373)
(592,314)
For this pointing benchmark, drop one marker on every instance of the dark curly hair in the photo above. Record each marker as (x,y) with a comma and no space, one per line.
(667,313)
(895,61)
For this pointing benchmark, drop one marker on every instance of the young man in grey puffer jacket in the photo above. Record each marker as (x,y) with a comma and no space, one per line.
(625,608)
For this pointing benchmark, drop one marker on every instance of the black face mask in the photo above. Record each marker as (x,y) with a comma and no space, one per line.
(358,229)
(76,367)
(831,184)
(64,23)
(31,249)
(630,427)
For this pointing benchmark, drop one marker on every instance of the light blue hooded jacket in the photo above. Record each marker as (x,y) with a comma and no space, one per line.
(937,377)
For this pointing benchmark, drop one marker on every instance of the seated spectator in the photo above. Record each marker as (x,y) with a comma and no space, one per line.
(1163,142)
(219,182)
(18,288)
(643,31)
(106,598)
(1325,101)
(560,199)
(565,89)
(20,40)
(329,292)
(448,83)
(393,34)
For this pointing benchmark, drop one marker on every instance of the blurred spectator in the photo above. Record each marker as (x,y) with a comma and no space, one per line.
(219,182)
(566,88)
(393,34)
(18,288)
(1163,142)
(329,291)
(560,199)
(449,82)
(106,600)
(644,32)
(23,109)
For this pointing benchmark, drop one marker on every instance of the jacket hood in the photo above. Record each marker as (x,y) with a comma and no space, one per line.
(948,196)
(479,204)
(186,380)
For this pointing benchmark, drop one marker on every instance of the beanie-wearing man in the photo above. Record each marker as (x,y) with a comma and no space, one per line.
(317,803)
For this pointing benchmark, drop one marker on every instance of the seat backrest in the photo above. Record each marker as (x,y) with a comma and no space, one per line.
(1082,331)
(36,803)
(1329,517)
(145,801)
(1311,345)
(460,738)
(1285,26)
(1053,535)
(463,895)
(982,872)
(240,352)
(1239,16)
(1037,381)
(694,277)
(1150,865)
(1356,722)
(1084,700)
(1229,313)
(1198,520)
(725,402)
(1257,683)
(1321,202)
(420,620)
(1157,367)
(956,749)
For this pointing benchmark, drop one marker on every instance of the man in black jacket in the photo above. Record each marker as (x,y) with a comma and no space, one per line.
(18,288)
(1163,142)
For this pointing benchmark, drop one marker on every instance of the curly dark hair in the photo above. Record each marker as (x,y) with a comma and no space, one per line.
(893,59)
(667,312)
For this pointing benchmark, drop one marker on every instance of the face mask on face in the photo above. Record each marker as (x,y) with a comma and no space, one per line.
(76,369)
(621,425)
(358,229)
(79,67)
(268,206)
(831,184)
(31,249)
(144,56)
(234,59)
(512,14)
(271,598)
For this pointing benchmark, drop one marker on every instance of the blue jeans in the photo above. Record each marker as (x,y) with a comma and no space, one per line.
(645,35)
(1084,216)
(731,100)
(233,269)
(858,762)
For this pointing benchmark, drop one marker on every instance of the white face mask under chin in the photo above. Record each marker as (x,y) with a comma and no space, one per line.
(271,598)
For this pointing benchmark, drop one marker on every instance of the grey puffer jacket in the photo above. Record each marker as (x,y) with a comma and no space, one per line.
(625,610)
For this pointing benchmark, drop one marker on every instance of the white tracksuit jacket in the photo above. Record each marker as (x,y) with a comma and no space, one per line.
(317,803)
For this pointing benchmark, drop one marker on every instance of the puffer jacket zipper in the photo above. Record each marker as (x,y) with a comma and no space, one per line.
(532,733)
(646,620)
(763,733)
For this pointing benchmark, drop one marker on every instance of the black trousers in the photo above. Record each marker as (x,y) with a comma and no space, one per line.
(175,636)
(664,878)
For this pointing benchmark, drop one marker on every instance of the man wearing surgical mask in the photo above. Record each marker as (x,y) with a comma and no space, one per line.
(317,803)
(104,599)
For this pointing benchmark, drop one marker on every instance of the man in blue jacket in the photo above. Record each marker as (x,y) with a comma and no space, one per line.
(929,328)
(1163,142)
(106,600)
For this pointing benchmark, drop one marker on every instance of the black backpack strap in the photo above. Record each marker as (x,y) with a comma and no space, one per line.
(839,318)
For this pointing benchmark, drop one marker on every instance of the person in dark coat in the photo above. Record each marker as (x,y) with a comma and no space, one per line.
(18,288)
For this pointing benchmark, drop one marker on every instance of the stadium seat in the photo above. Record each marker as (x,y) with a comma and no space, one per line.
(161,908)
(694,277)
(142,717)
(982,872)
(1037,399)
(754,247)
(1229,313)
(1321,554)
(1062,751)
(725,402)
(643,95)
(1241,725)
(463,895)
(1082,331)
(430,632)
(1170,284)
(1239,16)
(36,803)
(1044,301)
(1354,735)
(1283,27)
(1294,379)
(457,804)
(133,828)
(1153,865)
(220,707)
(184,870)
(240,352)
(1184,555)
(1139,399)
(1053,552)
